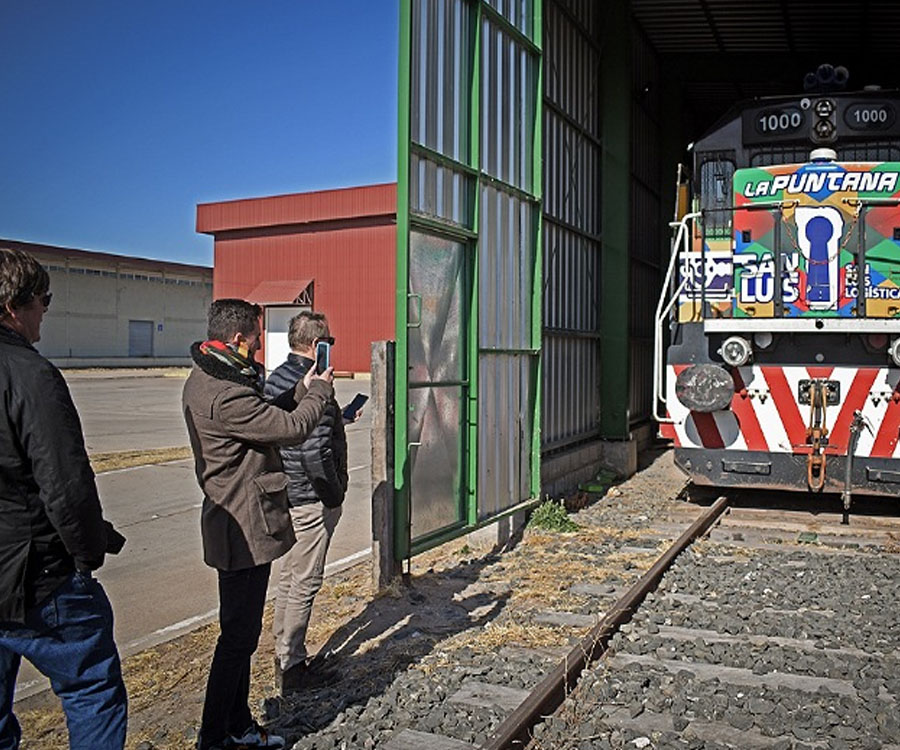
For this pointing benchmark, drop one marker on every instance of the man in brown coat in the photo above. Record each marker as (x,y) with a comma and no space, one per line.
(245,520)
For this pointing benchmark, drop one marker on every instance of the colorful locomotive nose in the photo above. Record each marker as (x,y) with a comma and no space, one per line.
(783,366)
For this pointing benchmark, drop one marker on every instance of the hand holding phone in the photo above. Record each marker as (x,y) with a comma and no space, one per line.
(352,409)
(311,374)
(323,356)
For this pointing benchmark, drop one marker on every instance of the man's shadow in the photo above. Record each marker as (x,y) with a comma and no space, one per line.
(394,631)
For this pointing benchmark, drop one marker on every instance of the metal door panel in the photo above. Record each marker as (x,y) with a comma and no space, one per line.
(468,228)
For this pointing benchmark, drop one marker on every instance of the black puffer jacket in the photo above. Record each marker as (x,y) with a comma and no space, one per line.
(50,517)
(317,468)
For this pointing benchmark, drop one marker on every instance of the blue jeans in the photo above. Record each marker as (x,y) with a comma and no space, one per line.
(69,638)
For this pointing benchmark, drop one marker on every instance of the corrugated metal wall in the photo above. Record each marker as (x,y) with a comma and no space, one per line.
(647,240)
(354,275)
(344,240)
(572,267)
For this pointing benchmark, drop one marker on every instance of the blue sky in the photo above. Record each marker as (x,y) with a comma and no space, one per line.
(119,116)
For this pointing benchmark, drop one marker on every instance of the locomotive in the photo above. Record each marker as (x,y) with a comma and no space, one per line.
(777,350)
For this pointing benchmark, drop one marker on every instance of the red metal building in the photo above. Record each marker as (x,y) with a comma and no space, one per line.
(337,245)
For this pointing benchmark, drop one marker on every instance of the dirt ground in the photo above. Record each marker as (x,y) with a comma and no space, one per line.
(166,683)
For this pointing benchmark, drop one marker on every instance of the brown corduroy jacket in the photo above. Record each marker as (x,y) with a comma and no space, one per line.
(235,435)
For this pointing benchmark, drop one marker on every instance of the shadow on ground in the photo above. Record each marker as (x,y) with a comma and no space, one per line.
(394,631)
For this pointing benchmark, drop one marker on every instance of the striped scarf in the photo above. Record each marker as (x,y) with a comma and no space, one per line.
(238,359)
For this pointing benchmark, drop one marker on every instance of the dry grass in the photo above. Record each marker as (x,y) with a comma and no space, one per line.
(166,683)
(101,462)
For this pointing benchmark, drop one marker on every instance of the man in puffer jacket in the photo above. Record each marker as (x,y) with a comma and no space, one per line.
(317,482)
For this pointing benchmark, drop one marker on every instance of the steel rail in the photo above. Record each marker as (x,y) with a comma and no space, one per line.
(551,691)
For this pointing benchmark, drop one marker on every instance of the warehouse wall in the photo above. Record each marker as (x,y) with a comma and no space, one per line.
(97,295)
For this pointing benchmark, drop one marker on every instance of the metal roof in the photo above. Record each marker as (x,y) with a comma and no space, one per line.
(341,205)
(722,51)
(55,253)
(283,292)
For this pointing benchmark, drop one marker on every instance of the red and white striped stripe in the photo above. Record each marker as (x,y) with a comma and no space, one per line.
(766,416)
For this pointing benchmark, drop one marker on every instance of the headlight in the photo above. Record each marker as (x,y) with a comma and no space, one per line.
(895,351)
(736,351)
(705,388)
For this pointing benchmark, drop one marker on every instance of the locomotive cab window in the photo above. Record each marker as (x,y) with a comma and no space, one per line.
(716,179)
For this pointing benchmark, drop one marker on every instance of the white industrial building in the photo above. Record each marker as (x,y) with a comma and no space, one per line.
(113,310)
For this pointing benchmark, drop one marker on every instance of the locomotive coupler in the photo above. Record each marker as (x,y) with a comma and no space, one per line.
(816,435)
(855,428)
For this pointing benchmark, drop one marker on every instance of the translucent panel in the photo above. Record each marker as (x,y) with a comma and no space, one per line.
(441,75)
(571,174)
(585,12)
(436,467)
(508,79)
(440,192)
(572,268)
(571,69)
(437,284)
(504,434)
(571,297)
(517,12)
(571,390)
(505,271)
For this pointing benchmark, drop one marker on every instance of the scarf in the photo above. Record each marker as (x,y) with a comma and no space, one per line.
(238,359)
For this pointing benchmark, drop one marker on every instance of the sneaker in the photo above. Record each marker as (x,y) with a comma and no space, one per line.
(255,736)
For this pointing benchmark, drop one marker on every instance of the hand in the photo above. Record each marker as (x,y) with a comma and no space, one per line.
(327,376)
(355,418)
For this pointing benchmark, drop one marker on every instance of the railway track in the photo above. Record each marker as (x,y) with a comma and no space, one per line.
(778,630)
(775,628)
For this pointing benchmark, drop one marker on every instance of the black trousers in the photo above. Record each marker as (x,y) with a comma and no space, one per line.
(226,711)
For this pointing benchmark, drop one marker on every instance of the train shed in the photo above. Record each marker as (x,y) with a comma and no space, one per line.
(539,144)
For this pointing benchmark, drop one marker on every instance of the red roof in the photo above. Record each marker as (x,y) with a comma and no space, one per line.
(298,208)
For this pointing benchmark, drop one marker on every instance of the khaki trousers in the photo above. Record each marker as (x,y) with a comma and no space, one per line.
(300,579)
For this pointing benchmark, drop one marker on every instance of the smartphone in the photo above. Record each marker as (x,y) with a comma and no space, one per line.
(323,357)
(354,406)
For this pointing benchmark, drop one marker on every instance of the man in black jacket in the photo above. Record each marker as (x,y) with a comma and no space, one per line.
(317,482)
(52,532)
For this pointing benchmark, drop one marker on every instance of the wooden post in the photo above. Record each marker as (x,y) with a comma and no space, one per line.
(385,568)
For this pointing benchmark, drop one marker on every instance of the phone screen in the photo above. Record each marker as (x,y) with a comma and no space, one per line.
(354,406)
(323,357)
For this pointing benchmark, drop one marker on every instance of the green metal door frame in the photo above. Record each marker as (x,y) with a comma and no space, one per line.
(524,35)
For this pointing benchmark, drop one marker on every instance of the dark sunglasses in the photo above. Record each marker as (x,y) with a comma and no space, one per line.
(326,340)
(44,298)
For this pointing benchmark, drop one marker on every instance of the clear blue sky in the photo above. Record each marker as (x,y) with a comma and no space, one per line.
(119,116)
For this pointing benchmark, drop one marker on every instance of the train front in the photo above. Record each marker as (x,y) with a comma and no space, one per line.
(783,370)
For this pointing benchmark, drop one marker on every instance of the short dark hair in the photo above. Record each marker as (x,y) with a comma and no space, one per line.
(305,328)
(230,316)
(22,278)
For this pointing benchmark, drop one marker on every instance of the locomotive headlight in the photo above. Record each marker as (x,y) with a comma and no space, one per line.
(895,351)
(736,351)
(704,388)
